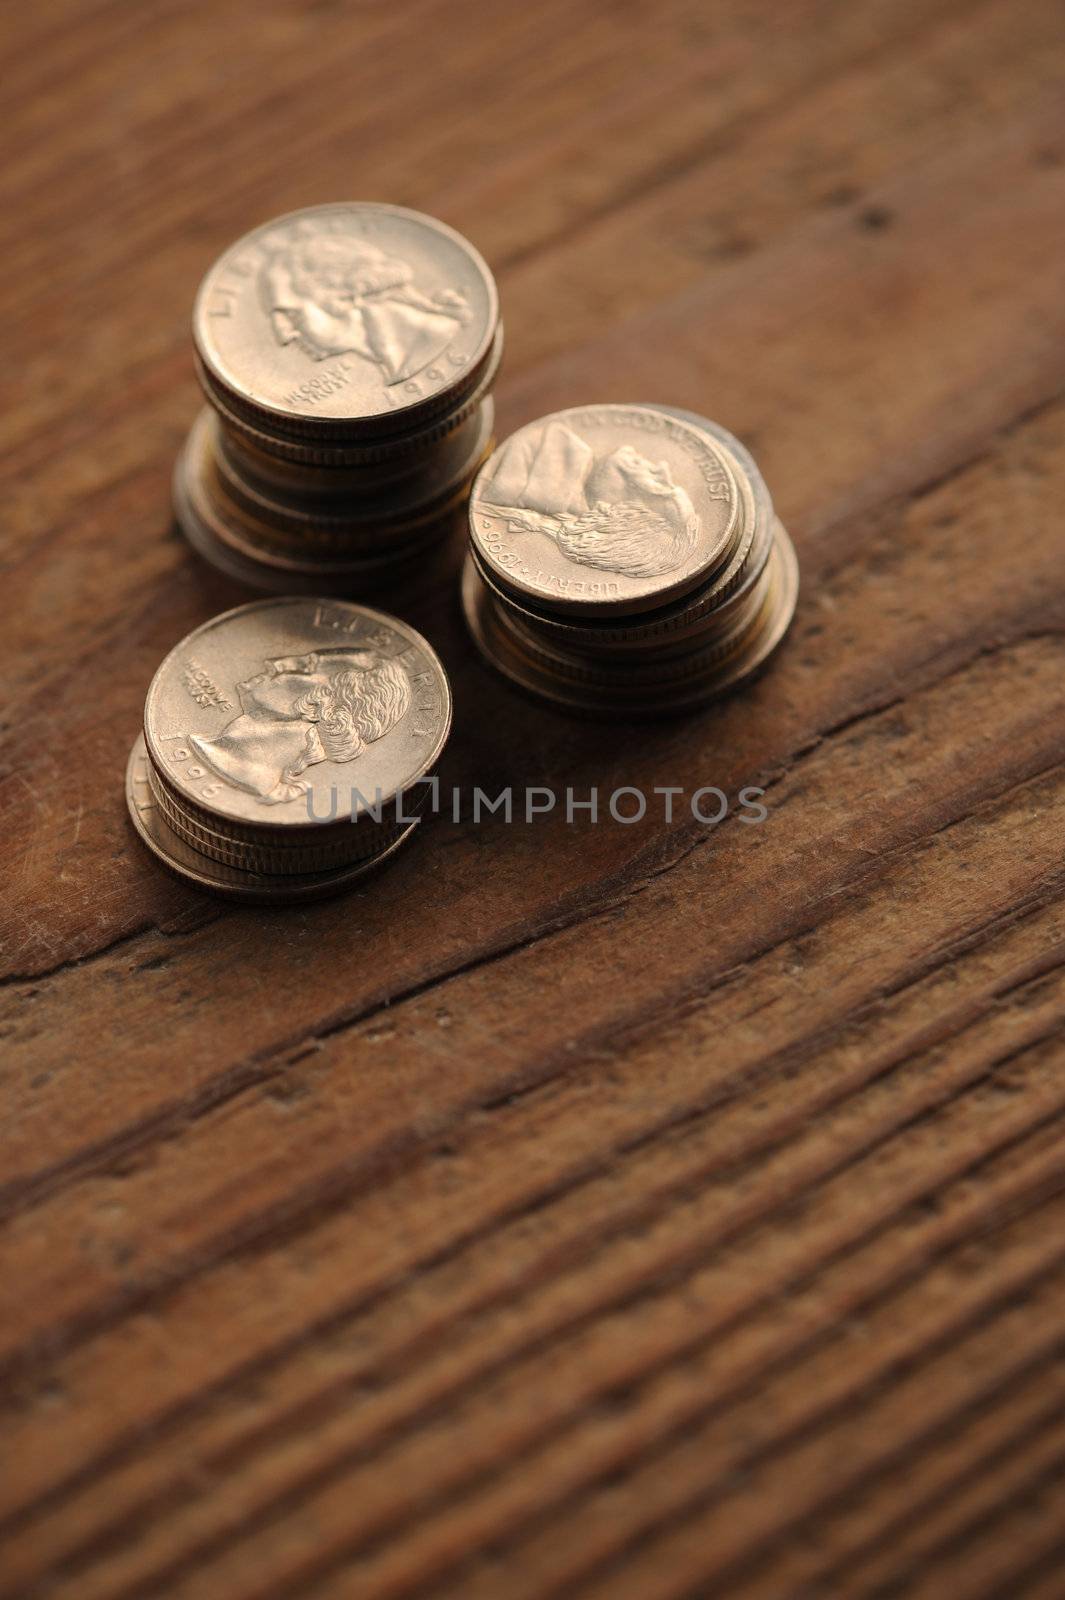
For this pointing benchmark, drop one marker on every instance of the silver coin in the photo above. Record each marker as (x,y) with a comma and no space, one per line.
(345,319)
(239,511)
(253,887)
(265,714)
(653,684)
(605,510)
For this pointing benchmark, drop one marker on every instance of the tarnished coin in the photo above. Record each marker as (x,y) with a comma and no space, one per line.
(605,509)
(348,318)
(287,738)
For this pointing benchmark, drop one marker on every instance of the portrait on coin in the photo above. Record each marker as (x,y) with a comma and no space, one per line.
(328,705)
(337,294)
(620,512)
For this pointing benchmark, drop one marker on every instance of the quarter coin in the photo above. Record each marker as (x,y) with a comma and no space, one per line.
(353,317)
(288,738)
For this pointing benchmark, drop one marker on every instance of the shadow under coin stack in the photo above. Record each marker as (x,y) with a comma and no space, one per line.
(626,558)
(283,746)
(347,354)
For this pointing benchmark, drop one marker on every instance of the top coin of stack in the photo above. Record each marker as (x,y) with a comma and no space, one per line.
(626,558)
(347,354)
(284,747)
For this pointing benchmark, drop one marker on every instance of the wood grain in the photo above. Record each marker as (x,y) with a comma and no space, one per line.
(648,1212)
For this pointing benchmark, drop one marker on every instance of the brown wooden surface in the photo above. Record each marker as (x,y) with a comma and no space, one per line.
(613,1213)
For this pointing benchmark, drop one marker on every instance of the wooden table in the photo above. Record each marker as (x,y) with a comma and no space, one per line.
(608,1212)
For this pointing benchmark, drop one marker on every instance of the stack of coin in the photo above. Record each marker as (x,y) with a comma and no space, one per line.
(284,746)
(626,558)
(347,354)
